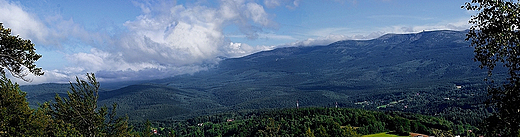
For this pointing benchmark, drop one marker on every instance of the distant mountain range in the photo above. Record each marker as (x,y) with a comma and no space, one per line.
(346,72)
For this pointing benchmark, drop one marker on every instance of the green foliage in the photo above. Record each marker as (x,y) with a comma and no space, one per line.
(39,94)
(16,118)
(308,122)
(80,108)
(496,39)
(67,117)
(309,133)
(147,132)
(117,126)
(77,115)
(16,54)
(80,111)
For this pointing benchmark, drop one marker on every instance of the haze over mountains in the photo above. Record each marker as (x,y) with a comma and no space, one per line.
(345,72)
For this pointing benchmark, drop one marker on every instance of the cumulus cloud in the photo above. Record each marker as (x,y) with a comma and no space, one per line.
(189,35)
(172,39)
(165,40)
(21,22)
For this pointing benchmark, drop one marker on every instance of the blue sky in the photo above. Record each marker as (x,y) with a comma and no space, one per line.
(149,39)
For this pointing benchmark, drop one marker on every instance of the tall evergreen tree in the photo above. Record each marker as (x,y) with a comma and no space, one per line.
(80,110)
(16,118)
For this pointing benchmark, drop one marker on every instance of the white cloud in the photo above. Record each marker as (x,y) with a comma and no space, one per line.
(189,35)
(175,39)
(242,49)
(167,39)
(22,23)
(293,5)
(257,14)
(461,24)
(53,31)
(51,76)
(317,41)
(267,36)
(290,4)
(272,3)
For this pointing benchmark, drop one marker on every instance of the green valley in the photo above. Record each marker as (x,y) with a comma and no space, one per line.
(430,73)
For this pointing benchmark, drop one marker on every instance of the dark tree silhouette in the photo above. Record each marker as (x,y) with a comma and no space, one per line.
(495,36)
(17,55)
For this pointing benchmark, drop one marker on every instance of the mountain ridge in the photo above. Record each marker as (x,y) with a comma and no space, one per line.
(346,71)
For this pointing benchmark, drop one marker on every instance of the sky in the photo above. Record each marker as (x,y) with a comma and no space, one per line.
(122,40)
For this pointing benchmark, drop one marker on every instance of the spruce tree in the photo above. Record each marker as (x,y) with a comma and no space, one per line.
(81,111)
(15,115)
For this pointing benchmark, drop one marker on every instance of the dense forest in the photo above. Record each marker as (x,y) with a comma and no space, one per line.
(396,84)
(446,86)
(310,122)
(420,71)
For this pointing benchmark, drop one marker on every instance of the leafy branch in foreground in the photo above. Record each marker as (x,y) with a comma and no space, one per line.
(495,36)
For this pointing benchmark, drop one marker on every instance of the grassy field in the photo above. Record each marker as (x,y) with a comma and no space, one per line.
(382,135)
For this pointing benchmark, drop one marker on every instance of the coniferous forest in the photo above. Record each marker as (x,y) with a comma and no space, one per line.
(252,100)
(436,83)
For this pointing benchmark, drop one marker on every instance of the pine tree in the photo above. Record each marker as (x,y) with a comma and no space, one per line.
(16,118)
(80,110)
(15,115)
(17,55)
(56,127)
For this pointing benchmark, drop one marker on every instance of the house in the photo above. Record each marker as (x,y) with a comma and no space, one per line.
(418,135)
(458,86)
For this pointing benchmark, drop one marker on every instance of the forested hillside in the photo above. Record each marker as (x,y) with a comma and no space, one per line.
(429,73)
(309,122)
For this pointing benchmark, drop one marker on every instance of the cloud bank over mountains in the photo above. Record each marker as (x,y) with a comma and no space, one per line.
(167,39)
